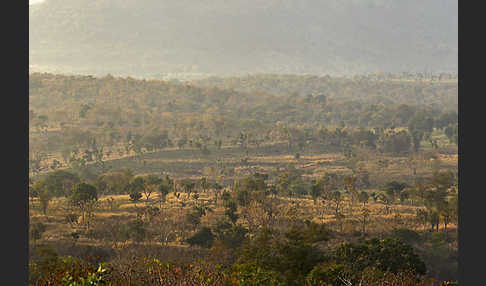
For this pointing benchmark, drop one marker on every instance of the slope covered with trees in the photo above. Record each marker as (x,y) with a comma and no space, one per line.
(82,118)
(258,180)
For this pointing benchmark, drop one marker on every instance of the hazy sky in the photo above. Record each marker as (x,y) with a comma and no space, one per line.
(232,37)
(35,1)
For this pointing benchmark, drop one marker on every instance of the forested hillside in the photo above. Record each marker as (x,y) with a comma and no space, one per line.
(427,91)
(85,117)
(255,180)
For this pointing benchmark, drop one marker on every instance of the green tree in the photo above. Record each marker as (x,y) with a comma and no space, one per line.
(135,197)
(327,273)
(446,119)
(83,193)
(337,199)
(365,138)
(316,192)
(230,234)
(151,183)
(250,274)
(241,193)
(41,189)
(363,197)
(135,230)
(117,182)
(292,256)
(188,187)
(393,189)
(406,235)
(434,219)
(284,180)
(97,278)
(422,216)
(84,196)
(204,184)
(230,211)
(403,114)
(217,190)
(397,142)
(61,182)
(451,132)
(136,187)
(36,230)
(446,212)
(298,188)
(387,199)
(203,238)
(386,255)
(419,125)
(350,185)
(453,206)
(164,190)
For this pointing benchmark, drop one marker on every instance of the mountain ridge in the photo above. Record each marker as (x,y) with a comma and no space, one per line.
(233,37)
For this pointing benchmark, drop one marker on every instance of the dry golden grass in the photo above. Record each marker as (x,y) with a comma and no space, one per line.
(379,221)
(312,165)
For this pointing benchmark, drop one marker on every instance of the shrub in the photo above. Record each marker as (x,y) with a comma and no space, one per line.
(45,259)
(36,231)
(374,277)
(250,274)
(203,238)
(292,255)
(405,235)
(231,235)
(82,194)
(95,278)
(386,255)
(135,196)
(135,230)
(65,271)
(327,274)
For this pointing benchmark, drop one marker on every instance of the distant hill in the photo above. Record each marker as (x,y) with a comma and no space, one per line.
(153,37)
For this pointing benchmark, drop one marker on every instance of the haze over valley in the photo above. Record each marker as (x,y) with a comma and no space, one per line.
(154,38)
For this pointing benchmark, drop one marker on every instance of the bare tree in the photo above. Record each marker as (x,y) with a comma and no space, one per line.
(165,227)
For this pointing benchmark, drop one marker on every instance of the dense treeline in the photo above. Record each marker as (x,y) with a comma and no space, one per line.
(83,119)
(296,262)
(435,91)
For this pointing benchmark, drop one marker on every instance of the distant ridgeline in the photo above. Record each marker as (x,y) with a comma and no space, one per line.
(159,38)
(126,103)
(125,115)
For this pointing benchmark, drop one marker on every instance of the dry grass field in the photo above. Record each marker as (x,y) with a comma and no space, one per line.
(122,209)
(111,227)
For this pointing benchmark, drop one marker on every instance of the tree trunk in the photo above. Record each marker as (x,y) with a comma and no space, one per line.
(364,227)
(83,216)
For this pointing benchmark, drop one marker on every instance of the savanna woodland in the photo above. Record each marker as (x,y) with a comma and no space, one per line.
(265,179)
